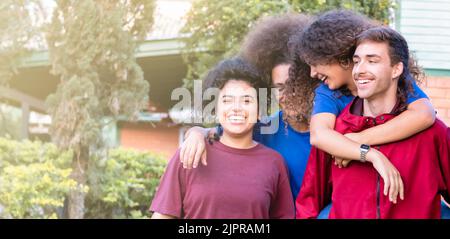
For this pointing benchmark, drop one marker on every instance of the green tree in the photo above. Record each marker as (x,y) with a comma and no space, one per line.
(19,34)
(217,27)
(15,33)
(91,46)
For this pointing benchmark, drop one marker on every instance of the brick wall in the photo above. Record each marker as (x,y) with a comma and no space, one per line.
(145,137)
(438,89)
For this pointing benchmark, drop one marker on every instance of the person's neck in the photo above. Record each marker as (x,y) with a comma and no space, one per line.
(380,104)
(238,141)
(297,126)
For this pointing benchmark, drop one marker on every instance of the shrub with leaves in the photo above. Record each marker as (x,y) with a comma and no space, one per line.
(123,184)
(34,179)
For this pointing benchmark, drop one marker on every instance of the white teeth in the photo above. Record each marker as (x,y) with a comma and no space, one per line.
(236,118)
(363,81)
(323,78)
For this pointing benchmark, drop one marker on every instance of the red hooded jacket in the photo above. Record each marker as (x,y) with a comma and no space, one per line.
(356,191)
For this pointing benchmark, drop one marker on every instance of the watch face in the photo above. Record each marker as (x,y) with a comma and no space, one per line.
(365,146)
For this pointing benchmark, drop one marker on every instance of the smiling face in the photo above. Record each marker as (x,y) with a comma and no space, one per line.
(237,108)
(333,75)
(280,75)
(373,73)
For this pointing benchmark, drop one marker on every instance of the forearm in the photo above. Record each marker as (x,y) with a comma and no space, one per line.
(408,123)
(198,129)
(335,143)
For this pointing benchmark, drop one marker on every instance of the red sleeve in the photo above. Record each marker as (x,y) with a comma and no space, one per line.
(282,206)
(444,163)
(170,193)
(315,192)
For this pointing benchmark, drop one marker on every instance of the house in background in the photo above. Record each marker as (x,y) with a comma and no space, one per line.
(426,27)
(159,57)
(155,131)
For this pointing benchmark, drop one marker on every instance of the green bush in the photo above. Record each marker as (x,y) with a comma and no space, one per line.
(35,180)
(123,185)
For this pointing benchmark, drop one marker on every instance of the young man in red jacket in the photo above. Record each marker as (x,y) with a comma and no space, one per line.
(383,80)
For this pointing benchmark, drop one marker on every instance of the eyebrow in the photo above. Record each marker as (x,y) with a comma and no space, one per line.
(369,56)
(232,96)
(373,56)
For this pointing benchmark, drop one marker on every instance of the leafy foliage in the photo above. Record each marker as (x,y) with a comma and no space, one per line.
(124,184)
(10,122)
(35,179)
(91,46)
(16,31)
(217,28)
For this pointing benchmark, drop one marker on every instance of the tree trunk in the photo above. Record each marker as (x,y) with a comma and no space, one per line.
(75,207)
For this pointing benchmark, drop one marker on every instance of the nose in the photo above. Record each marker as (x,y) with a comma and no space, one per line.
(236,106)
(313,72)
(359,68)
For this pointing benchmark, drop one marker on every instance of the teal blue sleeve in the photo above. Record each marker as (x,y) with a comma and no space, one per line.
(416,94)
(325,102)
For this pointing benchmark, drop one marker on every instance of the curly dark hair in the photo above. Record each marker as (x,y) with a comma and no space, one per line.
(332,37)
(235,68)
(270,43)
(298,92)
(398,52)
(266,45)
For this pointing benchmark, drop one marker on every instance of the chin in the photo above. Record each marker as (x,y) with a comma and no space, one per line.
(332,87)
(363,95)
(237,130)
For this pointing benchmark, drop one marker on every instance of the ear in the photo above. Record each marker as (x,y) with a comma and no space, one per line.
(397,70)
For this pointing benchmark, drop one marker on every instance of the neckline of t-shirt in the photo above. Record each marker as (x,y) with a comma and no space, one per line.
(219,145)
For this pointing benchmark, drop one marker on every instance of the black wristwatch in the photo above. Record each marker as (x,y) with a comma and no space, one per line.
(364,149)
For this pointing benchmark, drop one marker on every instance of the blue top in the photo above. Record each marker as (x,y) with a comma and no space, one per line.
(294,146)
(333,101)
(445,211)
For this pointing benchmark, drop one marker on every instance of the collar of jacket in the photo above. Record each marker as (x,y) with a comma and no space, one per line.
(353,116)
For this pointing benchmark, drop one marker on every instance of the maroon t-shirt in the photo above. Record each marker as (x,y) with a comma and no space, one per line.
(236,183)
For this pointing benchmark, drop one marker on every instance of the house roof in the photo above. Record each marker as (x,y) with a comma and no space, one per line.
(163,39)
(170,17)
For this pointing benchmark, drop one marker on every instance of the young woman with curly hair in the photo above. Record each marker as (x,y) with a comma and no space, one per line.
(243,179)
